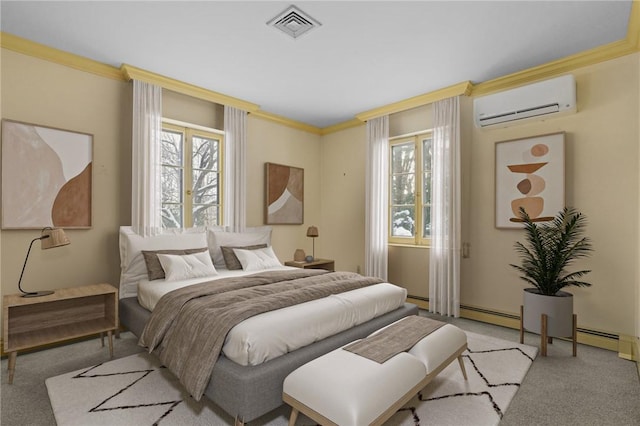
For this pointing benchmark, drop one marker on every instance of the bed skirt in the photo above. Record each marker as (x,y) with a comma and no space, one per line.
(248,392)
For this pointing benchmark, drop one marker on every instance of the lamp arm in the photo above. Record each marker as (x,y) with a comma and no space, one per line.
(25,263)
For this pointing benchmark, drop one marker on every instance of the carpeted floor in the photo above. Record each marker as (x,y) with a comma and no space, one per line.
(596,388)
(136,390)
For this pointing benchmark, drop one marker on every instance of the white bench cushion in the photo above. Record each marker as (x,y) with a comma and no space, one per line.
(351,390)
(435,348)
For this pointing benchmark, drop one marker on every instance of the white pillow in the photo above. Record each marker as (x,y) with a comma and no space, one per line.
(180,267)
(251,237)
(132,265)
(257,260)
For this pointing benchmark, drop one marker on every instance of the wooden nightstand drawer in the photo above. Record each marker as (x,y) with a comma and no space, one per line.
(327,264)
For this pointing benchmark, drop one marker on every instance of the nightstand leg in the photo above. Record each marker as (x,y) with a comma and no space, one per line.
(12,365)
(110,337)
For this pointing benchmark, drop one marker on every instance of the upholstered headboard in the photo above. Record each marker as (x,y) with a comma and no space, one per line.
(132,264)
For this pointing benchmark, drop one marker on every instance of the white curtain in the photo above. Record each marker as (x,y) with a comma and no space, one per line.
(145,158)
(377,202)
(444,265)
(235,187)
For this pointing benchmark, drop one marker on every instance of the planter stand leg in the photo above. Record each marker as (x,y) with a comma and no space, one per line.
(543,335)
(521,324)
(575,334)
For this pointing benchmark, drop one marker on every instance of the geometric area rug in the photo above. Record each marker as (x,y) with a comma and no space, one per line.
(137,390)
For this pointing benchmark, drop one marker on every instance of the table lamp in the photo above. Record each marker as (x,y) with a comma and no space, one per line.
(50,238)
(313,233)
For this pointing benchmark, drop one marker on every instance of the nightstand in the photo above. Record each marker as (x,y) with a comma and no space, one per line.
(66,314)
(327,264)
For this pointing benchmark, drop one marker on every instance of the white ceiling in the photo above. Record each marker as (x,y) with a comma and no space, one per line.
(363,56)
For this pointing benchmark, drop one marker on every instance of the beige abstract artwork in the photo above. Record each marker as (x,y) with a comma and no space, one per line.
(284,194)
(46,177)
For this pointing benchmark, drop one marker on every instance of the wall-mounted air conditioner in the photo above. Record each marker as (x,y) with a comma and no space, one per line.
(538,100)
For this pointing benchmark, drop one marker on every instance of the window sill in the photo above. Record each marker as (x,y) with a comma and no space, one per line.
(409,245)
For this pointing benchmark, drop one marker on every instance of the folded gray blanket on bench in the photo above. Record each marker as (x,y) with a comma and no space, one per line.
(398,337)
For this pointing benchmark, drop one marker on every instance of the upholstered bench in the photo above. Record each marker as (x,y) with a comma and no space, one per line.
(344,388)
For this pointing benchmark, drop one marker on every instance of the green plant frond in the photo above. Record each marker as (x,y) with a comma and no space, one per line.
(579,284)
(550,248)
(571,276)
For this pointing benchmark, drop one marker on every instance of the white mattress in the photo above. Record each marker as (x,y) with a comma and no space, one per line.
(271,334)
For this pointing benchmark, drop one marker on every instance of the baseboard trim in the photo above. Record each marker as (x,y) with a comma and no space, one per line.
(586,336)
(630,347)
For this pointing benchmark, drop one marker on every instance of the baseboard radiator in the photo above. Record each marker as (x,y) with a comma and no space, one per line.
(626,346)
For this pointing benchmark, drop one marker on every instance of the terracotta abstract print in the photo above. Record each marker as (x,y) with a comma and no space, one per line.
(529,175)
(46,177)
(284,194)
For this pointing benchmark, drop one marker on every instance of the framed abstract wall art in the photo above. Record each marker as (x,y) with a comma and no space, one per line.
(284,198)
(46,177)
(529,174)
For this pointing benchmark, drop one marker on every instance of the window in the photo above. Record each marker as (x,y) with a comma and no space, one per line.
(410,190)
(191,177)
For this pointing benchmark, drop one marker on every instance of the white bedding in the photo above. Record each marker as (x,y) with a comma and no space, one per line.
(271,334)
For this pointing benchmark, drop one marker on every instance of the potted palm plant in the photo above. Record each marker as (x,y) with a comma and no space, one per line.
(550,248)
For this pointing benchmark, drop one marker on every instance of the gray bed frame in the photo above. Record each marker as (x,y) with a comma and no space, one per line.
(248,392)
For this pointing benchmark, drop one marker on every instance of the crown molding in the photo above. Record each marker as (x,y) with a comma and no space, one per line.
(341,126)
(133,73)
(633,30)
(616,49)
(555,68)
(37,50)
(463,88)
(287,122)
(630,45)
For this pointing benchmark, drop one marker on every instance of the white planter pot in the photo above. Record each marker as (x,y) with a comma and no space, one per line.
(559,310)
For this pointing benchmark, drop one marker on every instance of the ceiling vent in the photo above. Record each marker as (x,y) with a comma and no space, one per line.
(294,22)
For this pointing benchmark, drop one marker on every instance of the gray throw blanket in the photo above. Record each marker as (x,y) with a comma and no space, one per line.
(398,337)
(188,326)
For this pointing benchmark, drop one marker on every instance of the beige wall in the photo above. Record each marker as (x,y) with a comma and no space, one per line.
(191,110)
(269,142)
(637,277)
(41,92)
(343,198)
(602,180)
(409,265)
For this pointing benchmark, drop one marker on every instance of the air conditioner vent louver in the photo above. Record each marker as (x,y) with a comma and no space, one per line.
(545,98)
(294,22)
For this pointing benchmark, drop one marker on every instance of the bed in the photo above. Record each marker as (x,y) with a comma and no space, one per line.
(246,380)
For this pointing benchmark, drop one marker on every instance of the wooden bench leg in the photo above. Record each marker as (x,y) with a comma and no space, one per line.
(293,417)
(521,324)
(543,335)
(461,362)
(575,335)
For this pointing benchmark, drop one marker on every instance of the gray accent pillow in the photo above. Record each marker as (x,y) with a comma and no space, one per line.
(154,268)
(230,258)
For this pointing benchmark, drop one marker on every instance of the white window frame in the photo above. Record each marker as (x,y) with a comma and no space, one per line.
(420,203)
(188,131)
